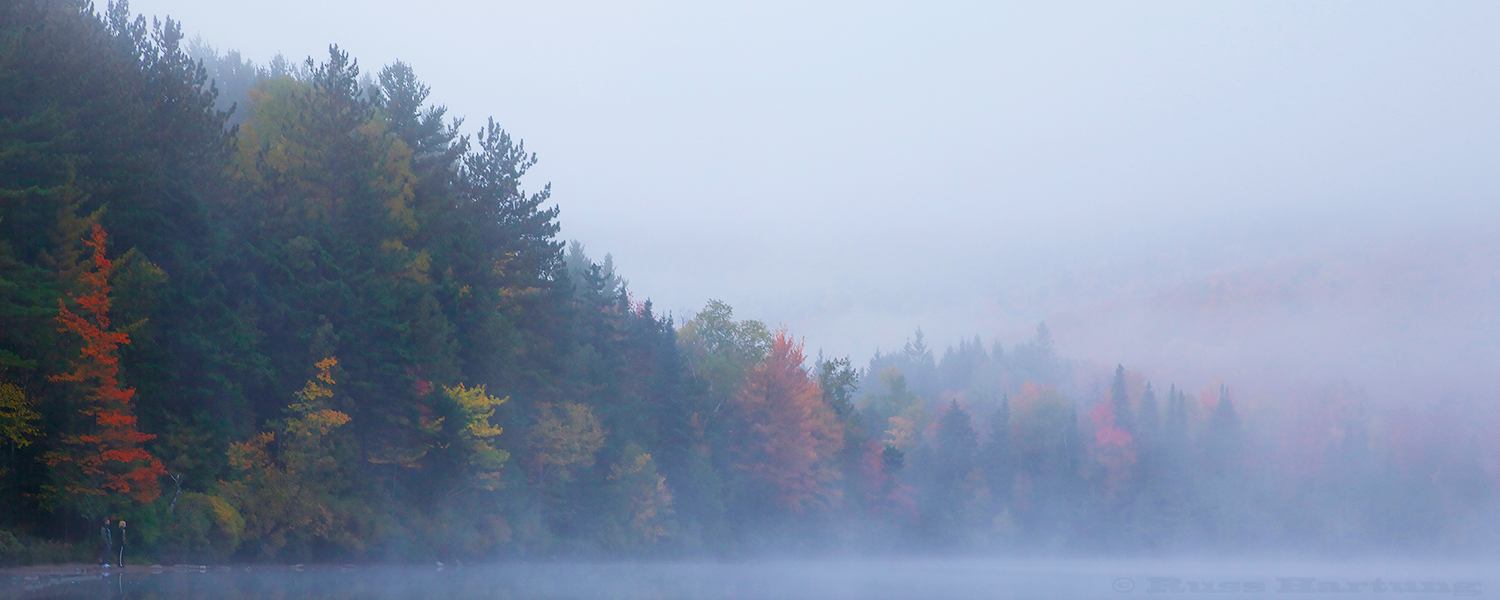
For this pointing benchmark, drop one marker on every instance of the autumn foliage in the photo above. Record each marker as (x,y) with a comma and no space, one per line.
(789,435)
(563,440)
(107,458)
(287,486)
(351,217)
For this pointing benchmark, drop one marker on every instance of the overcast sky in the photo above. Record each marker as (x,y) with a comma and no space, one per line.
(857,170)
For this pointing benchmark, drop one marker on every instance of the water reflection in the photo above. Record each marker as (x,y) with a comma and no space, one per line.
(935,579)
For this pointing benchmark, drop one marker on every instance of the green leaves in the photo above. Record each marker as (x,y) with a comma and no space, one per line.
(722,350)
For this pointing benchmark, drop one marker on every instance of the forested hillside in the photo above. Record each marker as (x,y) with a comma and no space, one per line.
(330,322)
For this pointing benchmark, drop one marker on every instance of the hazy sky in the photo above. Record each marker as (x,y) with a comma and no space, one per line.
(857,170)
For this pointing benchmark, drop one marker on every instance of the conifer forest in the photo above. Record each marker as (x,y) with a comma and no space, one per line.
(297,312)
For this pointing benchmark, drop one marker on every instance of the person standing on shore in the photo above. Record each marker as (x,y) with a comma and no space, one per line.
(121,563)
(106,544)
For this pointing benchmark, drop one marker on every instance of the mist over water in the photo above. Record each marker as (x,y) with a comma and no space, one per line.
(936,579)
(863,304)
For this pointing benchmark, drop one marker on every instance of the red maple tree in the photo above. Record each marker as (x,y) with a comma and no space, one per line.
(108,458)
(789,435)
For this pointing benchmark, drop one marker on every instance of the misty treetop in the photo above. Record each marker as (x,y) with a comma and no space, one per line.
(297,312)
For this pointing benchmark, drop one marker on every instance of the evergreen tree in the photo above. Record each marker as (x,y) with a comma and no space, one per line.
(838,382)
(1149,466)
(998,455)
(915,363)
(961,365)
(1223,440)
(1175,426)
(956,443)
(947,502)
(1222,505)
(1149,422)
(1119,399)
(1036,359)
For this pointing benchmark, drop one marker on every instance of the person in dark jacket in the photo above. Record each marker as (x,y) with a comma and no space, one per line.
(106,543)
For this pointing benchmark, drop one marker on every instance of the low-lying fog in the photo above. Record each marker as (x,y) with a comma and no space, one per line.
(857,171)
(1291,206)
(1281,198)
(1412,318)
(820,580)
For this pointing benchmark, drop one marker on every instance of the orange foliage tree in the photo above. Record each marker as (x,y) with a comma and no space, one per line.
(298,496)
(106,457)
(789,435)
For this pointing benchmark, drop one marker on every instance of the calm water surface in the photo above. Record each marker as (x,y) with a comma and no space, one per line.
(934,579)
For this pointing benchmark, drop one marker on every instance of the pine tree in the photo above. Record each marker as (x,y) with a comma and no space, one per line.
(998,455)
(959,366)
(838,381)
(956,443)
(1120,402)
(945,509)
(1223,441)
(1175,426)
(1149,421)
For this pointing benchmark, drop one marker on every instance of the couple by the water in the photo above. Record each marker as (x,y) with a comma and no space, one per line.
(107,543)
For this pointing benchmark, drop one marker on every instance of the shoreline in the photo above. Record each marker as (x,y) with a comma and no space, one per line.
(87,569)
(53,570)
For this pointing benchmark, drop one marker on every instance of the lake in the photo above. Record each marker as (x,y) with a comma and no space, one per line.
(832,579)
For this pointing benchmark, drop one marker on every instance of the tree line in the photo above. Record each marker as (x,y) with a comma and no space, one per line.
(325,321)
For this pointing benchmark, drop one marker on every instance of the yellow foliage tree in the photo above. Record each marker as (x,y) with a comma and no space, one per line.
(646,498)
(16,417)
(293,493)
(475,435)
(564,437)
